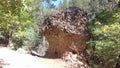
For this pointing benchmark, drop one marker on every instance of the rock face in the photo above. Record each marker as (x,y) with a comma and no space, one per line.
(66,31)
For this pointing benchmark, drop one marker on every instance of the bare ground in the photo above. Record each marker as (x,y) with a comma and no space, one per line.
(13,59)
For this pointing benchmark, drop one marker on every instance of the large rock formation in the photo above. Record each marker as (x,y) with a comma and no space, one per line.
(67,33)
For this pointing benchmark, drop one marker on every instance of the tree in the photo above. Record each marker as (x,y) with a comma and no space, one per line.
(15,19)
(9,19)
(105,38)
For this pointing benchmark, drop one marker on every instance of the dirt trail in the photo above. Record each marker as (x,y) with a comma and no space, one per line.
(13,59)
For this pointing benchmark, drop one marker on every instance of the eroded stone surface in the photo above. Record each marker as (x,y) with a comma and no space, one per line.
(73,20)
(67,31)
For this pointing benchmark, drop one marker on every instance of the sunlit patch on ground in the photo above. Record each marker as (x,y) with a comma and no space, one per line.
(13,59)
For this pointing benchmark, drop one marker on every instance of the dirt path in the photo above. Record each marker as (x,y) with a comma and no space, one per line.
(12,59)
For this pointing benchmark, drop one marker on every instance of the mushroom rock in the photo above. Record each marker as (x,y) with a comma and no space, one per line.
(67,33)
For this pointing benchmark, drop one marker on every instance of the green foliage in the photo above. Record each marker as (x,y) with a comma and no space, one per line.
(20,20)
(105,30)
(65,4)
(17,23)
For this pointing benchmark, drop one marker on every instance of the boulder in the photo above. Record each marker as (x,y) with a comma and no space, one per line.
(66,30)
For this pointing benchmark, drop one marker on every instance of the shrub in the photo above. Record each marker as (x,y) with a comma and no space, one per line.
(105,30)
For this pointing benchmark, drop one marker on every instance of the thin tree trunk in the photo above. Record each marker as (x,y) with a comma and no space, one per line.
(113,4)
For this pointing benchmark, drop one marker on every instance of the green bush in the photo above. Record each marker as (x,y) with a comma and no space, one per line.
(17,26)
(105,30)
